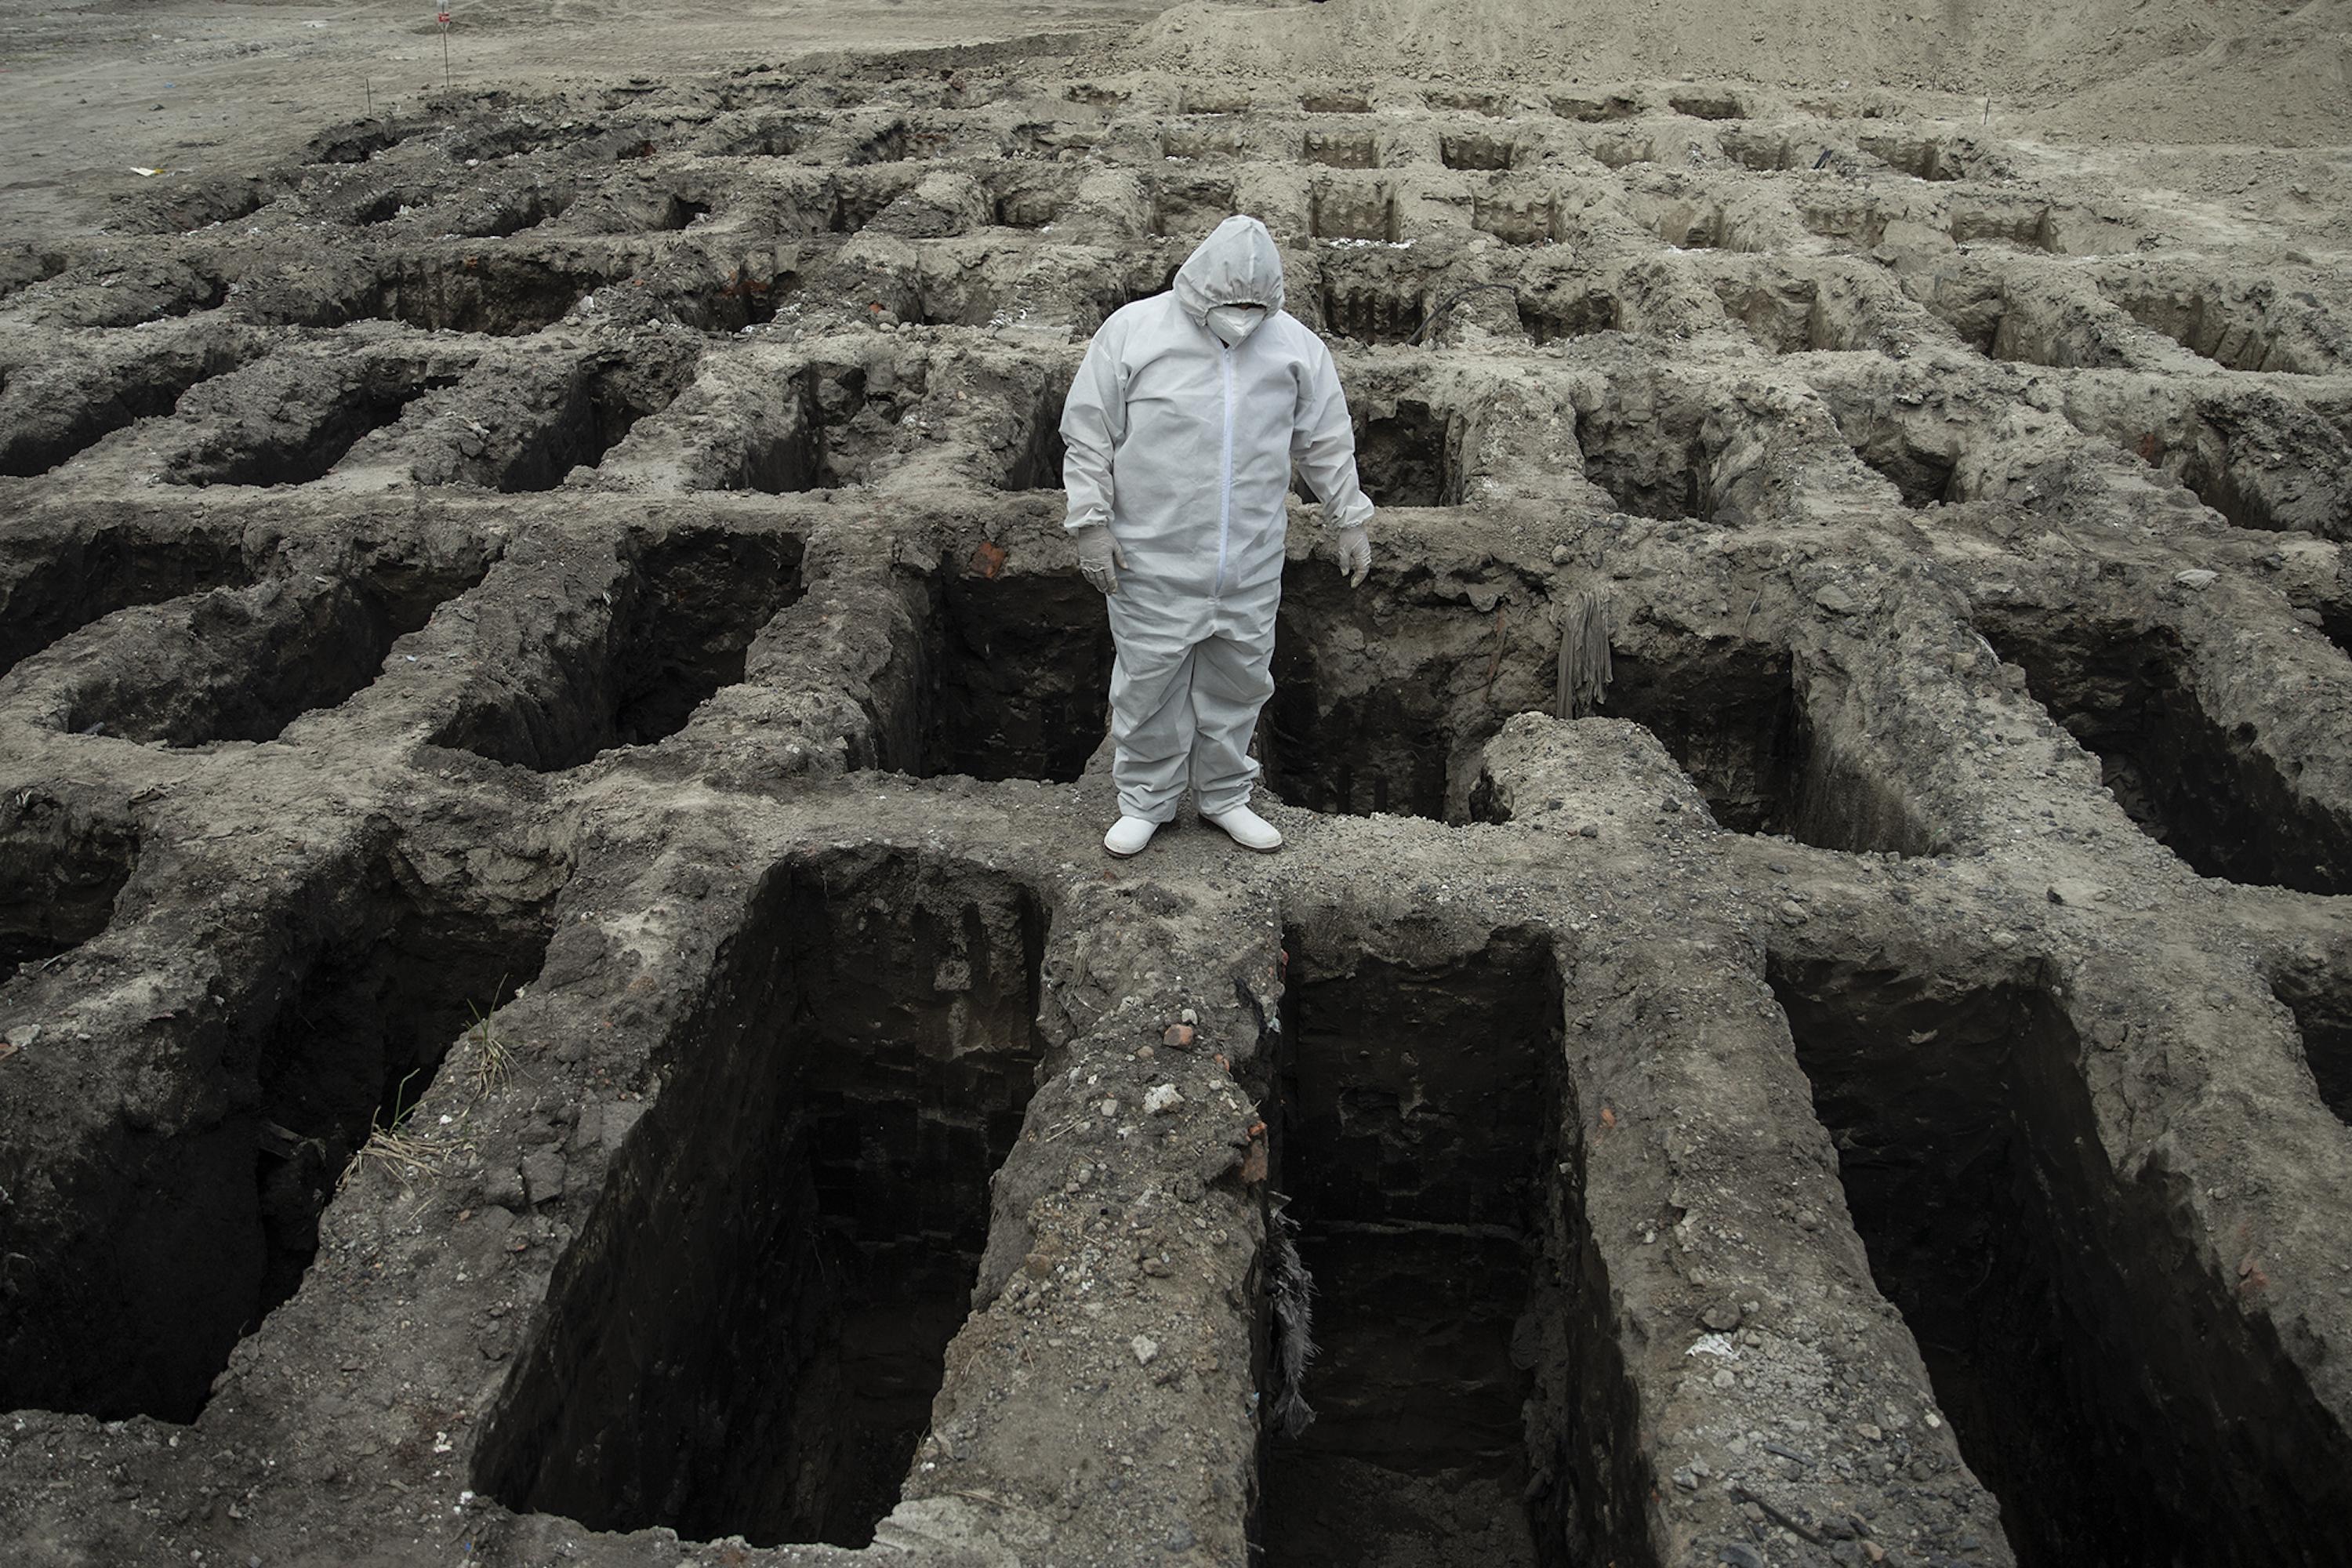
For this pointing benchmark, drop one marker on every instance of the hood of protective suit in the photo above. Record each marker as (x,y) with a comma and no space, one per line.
(1237,265)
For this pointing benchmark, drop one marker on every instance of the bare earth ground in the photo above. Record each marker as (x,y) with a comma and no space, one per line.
(2251,107)
(559,1001)
(91,92)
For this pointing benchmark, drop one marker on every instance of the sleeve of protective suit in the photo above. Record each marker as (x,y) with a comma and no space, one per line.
(1094,417)
(1323,444)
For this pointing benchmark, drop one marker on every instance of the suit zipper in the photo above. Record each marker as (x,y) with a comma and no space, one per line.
(1226,476)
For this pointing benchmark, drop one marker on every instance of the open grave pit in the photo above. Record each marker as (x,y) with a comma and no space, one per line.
(2189,780)
(1960,1118)
(849,1082)
(1423,1234)
(632,670)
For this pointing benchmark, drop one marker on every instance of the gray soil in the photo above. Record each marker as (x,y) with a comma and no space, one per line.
(559,998)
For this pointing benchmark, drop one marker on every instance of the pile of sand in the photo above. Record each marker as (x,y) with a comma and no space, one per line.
(2155,70)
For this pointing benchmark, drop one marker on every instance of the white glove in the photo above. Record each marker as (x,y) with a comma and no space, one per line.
(1355,555)
(1098,557)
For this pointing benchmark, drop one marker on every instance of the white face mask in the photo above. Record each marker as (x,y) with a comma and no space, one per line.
(1234,323)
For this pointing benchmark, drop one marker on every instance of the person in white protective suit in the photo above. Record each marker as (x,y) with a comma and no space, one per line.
(1182,425)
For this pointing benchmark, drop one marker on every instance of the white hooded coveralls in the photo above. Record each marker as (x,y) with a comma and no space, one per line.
(1183,447)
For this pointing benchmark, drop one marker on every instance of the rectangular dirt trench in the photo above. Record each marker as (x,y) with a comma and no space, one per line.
(819,430)
(591,411)
(1769,752)
(147,389)
(679,634)
(61,868)
(2113,1403)
(501,295)
(2318,993)
(1410,456)
(85,580)
(149,1257)
(1014,681)
(242,665)
(746,1337)
(2195,783)
(1383,696)
(305,437)
(1430,1247)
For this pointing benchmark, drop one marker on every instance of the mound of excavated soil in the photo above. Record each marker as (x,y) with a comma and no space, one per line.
(2169,70)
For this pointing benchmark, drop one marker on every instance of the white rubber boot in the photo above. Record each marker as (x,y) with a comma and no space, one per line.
(1128,835)
(1248,829)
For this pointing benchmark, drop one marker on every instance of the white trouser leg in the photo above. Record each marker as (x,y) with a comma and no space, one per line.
(1150,728)
(1232,679)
